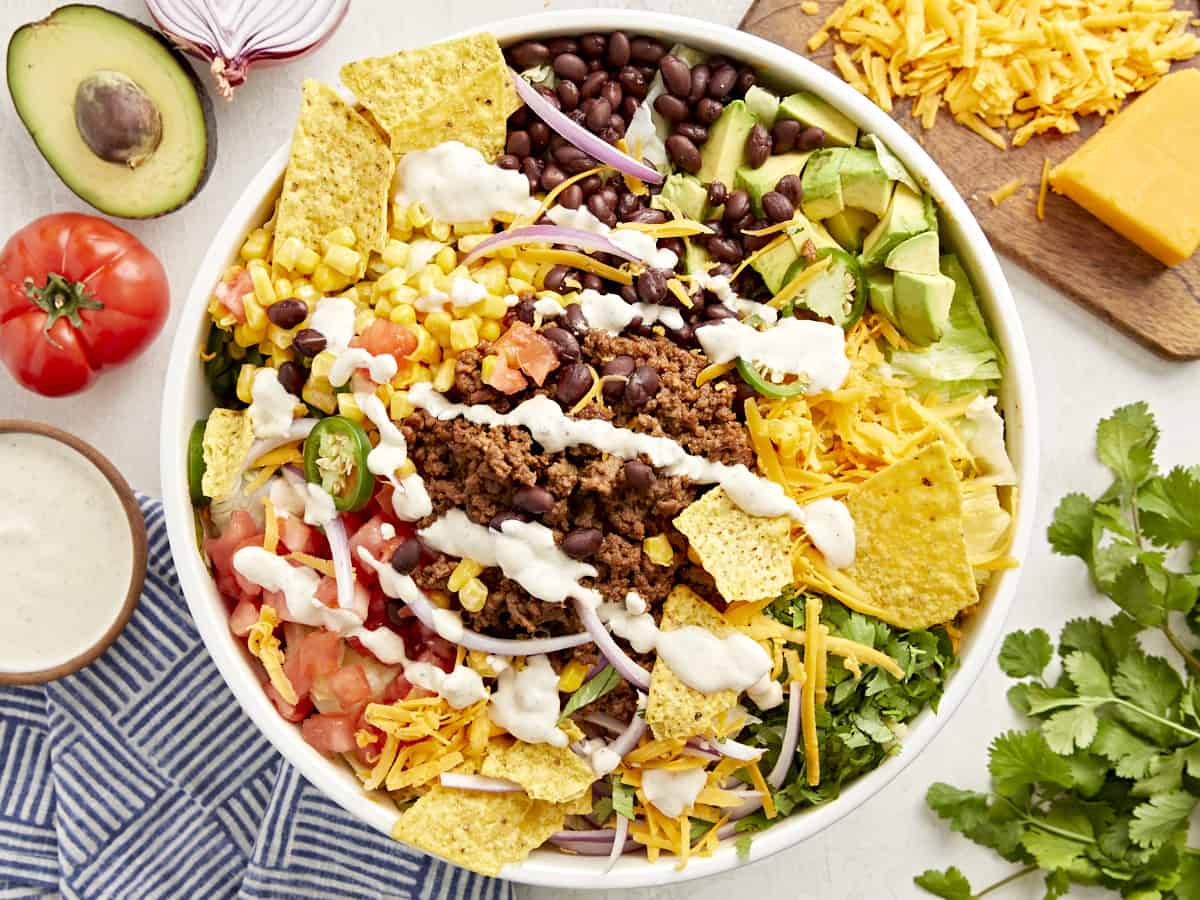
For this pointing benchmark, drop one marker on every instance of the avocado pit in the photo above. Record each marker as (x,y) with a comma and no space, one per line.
(116,118)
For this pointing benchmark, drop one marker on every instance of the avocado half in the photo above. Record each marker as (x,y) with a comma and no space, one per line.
(116,111)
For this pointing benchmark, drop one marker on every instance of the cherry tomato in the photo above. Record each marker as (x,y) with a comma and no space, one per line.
(77,294)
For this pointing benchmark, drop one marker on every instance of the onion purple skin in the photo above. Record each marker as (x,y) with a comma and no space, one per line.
(547,234)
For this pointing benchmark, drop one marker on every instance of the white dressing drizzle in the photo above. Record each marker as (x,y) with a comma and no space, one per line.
(271,406)
(611,314)
(382,367)
(673,792)
(720,287)
(334,318)
(814,350)
(454,183)
(637,243)
(831,529)
(410,500)
(525,703)
(709,663)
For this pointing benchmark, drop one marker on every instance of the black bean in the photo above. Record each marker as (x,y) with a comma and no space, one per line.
(551,97)
(684,153)
(552,177)
(715,312)
(528,54)
(724,249)
(308,342)
(676,246)
(564,343)
(398,613)
(741,393)
(610,195)
(682,335)
(756,242)
(524,310)
(627,206)
(580,163)
(700,76)
(508,161)
(539,136)
(590,185)
(632,82)
(591,282)
(758,146)
(574,320)
(717,192)
(618,49)
(648,216)
(582,542)
(695,133)
(811,139)
(498,520)
(519,144)
(599,208)
(619,365)
(639,476)
(708,110)
(562,45)
(595,65)
(745,223)
(642,385)
(646,51)
(628,293)
(599,114)
(652,286)
(593,45)
(291,377)
(677,76)
(568,65)
(671,108)
(520,118)
(592,84)
(784,135)
(571,197)
(737,205)
(790,187)
(532,169)
(568,95)
(534,500)
(555,277)
(287,313)
(611,91)
(722,82)
(716,61)
(629,106)
(777,207)
(407,555)
(573,385)
(746,79)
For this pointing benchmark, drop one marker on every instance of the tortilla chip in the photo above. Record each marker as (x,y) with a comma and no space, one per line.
(553,774)
(580,806)
(456,90)
(673,709)
(911,556)
(479,831)
(748,557)
(339,173)
(227,439)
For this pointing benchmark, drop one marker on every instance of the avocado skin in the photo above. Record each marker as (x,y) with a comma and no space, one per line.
(206,107)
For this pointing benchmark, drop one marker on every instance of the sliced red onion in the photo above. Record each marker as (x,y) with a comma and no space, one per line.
(298,431)
(618,843)
(700,754)
(465,782)
(791,737)
(628,739)
(590,847)
(547,234)
(593,146)
(343,570)
(621,661)
(232,35)
(737,750)
(604,720)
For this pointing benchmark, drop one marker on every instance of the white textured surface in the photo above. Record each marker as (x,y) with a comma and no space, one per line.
(1084,370)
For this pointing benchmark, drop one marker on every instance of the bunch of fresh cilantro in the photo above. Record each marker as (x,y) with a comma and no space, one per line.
(1101,789)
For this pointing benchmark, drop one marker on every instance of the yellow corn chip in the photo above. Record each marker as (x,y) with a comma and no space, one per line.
(748,557)
(227,439)
(911,557)
(339,173)
(553,774)
(456,90)
(580,806)
(673,709)
(479,831)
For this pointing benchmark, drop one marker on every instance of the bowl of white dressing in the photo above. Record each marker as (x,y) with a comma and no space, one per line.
(72,550)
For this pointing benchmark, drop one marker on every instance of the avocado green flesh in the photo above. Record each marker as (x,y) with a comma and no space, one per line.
(849,227)
(773,265)
(822,185)
(907,215)
(865,184)
(923,305)
(684,193)
(725,148)
(763,105)
(811,110)
(47,60)
(918,254)
(881,295)
(762,180)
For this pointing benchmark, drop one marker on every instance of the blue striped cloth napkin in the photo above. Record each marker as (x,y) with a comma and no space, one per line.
(140,777)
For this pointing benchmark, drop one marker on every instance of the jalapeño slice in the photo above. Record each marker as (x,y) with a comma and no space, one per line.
(764,386)
(335,457)
(195,464)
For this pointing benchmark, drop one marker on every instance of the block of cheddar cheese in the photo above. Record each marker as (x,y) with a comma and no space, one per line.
(1140,173)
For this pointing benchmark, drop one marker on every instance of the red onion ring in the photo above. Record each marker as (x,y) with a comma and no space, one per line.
(569,840)
(547,234)
(620,836)
(604,720)
(343,569)
(791,737)
(465,782)
(628,739)
(620,660)
(580,137)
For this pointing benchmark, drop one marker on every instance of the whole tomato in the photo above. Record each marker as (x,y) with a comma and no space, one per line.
(77,294)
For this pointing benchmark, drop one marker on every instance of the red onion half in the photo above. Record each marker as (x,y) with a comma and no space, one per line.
(547,234)
(625,665)
(233,35)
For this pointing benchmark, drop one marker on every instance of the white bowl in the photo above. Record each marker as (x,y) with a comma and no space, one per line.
(186,398)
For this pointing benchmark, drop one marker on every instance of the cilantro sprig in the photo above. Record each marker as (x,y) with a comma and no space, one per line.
(1101,789)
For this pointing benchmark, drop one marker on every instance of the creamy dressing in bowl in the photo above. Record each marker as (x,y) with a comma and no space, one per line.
(71,554)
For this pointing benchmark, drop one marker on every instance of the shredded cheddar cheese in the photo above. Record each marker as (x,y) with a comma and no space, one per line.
(1042,188)
(270,526)
(262,643)
(1005,191)
(808,693)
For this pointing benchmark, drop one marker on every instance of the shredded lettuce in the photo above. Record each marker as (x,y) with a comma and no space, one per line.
(985,521)
(966,360)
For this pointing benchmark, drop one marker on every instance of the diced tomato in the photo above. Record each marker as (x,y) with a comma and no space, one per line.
(277,602)
(398,689)
(350,686)
(318,654)
(241,531)
(245,585)
(426,645)
(292,712)
(370,538)
(327,591)
(376,609)
(385,336)
(329,733)
(505,379)
(231,290)
(297,536)
(243,618)
(524,348)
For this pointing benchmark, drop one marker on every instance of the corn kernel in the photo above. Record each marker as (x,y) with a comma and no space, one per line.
(263,289)
(417,217)
(245,336)
(463,334)
(307,261)
(491,307)
(572,676)
(342,259)
(437,323)
(245,381)
(280,355)
(443,380)
(524,270)
(376,266)
(490,330)
(363,319)
(492,276)
(322,364)
(405,469)
(420,374)
(446,259)
(342,236)
(327,280)
(518,286)
(463,572)
(283,287)
(473,595)
(392,279)
(427,280)
(287,254)
(256,244)
(403,313)
(478,660)
(348,407)
(383,308)
(321,398)
(659,550)
(469,242)
(303,290)
(440,599)
(395,253)
(439,231)
(473,228)
(256,319)
(488,367)
(280,337)
(401,407)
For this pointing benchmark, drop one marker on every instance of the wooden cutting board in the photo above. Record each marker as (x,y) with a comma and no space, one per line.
(1070,249)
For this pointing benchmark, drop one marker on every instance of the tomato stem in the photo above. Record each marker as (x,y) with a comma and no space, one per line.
(59,298)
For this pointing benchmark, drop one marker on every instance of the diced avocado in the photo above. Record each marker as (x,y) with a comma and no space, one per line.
(822,185)
(773,265)
(923,305)
(881,294)
(907,215)
(757,182)
(684,193)
(820,236)
(689,55)
(763,105)
(725,148)
(695,257)
(116,111)
(918,254)
(865,184)
(811,110)
(850,226)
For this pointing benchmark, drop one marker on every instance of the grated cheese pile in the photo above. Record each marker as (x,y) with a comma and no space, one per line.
(1029,66)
